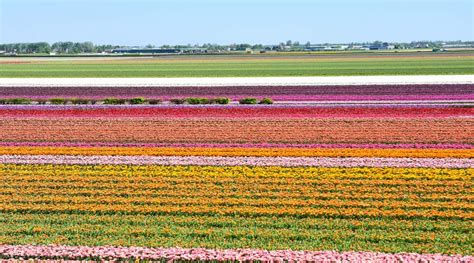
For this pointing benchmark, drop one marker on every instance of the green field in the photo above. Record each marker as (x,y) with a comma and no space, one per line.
(241,66)
(392,235)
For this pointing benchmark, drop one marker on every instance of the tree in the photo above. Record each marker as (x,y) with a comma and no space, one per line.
(88,47)
(243,46)
(56,47)
(63,47)
(76,48)
(103,48)
(377,43)
(44,47)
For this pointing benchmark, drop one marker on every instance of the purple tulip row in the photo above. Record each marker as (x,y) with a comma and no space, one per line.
(238,161)
(59,252)
(242,91)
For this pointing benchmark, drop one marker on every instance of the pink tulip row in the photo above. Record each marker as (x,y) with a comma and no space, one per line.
(123,253)
(237,161)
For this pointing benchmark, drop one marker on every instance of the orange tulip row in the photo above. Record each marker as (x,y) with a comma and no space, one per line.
(245,191)
(201,151)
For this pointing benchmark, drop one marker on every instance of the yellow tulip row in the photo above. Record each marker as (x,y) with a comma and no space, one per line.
(239,184)
(232,172)
(238,210)
(250,188)
(21,190)
(186,200)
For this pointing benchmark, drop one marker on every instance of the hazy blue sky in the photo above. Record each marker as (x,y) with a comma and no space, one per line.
(141,22)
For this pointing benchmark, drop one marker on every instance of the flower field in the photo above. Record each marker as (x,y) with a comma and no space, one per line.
(263,182)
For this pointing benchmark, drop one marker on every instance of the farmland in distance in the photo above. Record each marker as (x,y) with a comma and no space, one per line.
(339,64)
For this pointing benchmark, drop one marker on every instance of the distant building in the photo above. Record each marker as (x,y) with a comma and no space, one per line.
(381,46)
(315,48)
(358,47)
(325,47)
(158,50)
(146,51)
(444,45)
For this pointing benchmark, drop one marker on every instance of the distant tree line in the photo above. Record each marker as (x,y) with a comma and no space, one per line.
(58,47)
(70,47)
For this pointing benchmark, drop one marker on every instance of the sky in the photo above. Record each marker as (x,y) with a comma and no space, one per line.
(158,22)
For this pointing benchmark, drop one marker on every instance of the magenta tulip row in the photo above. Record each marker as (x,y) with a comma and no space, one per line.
(58,252)
(341,106)
(238,161)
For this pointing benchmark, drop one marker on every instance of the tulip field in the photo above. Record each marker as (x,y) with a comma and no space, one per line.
(327,173)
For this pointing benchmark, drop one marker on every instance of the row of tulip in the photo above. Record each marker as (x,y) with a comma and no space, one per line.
(239,191)
(151,200)
(111,253)
(426,192)
(266,130)
(351,92)
(248,146)
(282,175)
(414,183)
(241,210)
(411,228)
(239,112)
(355,185)
(157,202)
(128,101)
(239,161)
(238,151)
(437,195)
(277,98)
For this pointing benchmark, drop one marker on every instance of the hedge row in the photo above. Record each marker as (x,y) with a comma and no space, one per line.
(133,101)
